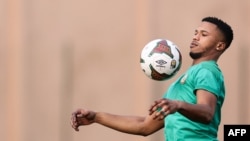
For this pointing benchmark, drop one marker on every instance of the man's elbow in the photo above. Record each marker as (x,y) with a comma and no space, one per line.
(207,119)
(145,133)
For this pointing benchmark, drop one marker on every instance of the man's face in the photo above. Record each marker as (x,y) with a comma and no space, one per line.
(205,40)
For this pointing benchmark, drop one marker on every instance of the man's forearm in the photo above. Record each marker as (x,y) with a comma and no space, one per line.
(126,124)
(196,112)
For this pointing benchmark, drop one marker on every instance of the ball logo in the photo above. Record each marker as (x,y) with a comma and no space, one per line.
(173,64)
(162,47)
(160,63)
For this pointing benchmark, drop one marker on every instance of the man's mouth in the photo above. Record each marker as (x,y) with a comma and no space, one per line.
(193,44)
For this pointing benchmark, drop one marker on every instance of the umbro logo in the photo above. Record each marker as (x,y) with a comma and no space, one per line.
(161,62)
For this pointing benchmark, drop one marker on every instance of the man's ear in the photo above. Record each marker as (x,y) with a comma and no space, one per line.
(221,46)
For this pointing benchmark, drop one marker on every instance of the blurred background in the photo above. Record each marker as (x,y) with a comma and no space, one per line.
(60,55)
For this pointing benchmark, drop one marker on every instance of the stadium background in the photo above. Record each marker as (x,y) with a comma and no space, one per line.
(60,55)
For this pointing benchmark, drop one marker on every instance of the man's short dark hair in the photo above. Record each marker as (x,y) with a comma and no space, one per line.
(223,26)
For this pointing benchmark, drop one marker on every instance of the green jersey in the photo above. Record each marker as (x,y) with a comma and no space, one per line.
(206,76)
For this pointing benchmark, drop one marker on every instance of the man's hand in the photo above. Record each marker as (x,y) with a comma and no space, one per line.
(82,117)
(163,107)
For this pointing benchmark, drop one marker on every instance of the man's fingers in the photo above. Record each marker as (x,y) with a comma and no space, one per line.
(76,129)
(161,113)
(74,123)
(152,109)
(79,115)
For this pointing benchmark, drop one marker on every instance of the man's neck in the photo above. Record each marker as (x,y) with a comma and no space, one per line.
(197,61)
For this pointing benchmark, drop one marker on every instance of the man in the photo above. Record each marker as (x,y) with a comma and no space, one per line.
(191,108)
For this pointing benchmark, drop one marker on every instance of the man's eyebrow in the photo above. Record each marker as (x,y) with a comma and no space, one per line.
(202,30)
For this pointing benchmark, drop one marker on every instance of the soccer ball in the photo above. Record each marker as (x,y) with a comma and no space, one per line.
(160,59)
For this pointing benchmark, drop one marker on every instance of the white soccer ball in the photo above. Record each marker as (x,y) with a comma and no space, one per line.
(160,59)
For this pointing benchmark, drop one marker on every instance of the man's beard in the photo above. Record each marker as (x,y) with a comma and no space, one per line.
(195,55)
